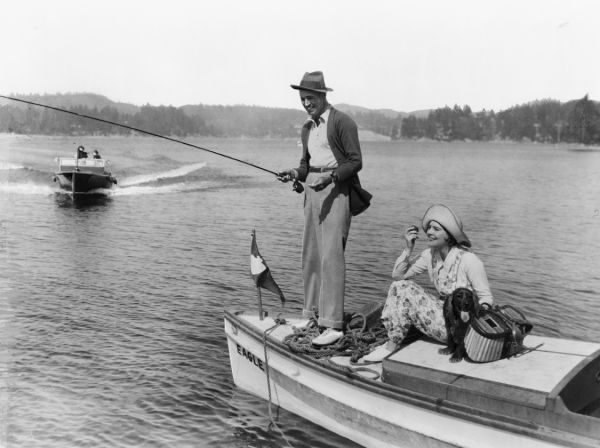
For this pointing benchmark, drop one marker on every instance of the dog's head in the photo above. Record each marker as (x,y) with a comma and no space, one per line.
(463,303)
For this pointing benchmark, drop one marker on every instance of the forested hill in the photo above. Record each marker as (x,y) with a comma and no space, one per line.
(70,100)
(542,120)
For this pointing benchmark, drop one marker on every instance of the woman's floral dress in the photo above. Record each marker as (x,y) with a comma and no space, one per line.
(408,304)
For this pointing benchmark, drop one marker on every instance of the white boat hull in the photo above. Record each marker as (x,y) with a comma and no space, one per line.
(358,408)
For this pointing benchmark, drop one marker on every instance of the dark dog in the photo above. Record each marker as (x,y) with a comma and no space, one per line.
(458,310)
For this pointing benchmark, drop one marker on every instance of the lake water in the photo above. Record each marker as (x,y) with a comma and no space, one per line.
(111,310)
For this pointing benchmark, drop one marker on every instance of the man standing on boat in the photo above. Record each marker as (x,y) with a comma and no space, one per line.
(331,159)
(81,153)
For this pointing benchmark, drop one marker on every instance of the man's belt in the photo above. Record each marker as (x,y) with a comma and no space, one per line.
(323,169)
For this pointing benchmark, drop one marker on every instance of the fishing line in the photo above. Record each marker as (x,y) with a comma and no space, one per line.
(139,130)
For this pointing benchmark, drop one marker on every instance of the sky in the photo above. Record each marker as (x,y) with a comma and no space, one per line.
(380,54)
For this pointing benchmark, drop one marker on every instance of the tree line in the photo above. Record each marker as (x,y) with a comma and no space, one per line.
(218,121)
(544,121)
(547,121)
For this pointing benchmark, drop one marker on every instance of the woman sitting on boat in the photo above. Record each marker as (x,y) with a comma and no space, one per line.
(450,266)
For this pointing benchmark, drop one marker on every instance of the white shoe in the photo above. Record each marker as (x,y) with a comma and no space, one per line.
(301,324)
(329,336)
(379,354)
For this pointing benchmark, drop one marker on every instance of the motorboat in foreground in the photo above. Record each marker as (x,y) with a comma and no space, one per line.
(548,397)
(83,175)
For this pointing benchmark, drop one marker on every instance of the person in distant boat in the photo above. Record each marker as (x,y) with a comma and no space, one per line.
(450,265)
(330,160)
(96,154)
(81,153)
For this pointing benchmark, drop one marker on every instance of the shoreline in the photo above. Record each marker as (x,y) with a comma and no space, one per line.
(367,136)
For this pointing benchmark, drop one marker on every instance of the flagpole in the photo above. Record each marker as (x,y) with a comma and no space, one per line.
(262,276)
(260,310)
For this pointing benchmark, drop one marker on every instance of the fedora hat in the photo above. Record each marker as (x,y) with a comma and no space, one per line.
(313,81)
(448,220)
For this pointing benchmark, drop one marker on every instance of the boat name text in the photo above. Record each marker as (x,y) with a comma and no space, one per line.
(250,357)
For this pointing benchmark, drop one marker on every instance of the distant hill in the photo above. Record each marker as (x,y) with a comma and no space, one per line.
(67,100)
(389,113)
(543,121)
(200,119)
(96,101)
(419,113)
(93,100)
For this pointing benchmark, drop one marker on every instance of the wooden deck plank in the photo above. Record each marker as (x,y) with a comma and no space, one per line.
(538,370)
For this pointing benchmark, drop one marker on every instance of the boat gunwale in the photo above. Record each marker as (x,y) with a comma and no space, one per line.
(83,171)
(407,396)
(79,172)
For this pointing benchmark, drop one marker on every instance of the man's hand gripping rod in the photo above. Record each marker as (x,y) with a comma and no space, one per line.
(290,175)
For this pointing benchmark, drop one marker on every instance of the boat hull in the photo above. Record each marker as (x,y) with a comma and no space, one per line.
(363,409)
(77,182)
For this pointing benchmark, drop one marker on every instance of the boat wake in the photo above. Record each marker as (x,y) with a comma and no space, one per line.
(155,177)
(24,180)
(183,179)
(10,166)
(160,189)
(27,189)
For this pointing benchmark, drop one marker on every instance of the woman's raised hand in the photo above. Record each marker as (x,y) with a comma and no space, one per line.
(410,236)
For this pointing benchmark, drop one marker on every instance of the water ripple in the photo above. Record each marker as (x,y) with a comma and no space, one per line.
(111,317)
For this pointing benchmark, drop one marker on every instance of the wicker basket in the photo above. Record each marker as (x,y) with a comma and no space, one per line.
(486,337)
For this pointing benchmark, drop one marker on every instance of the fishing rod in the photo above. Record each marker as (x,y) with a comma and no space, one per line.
(297,186)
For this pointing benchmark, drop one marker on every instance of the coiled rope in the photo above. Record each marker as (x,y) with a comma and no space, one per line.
(356,342)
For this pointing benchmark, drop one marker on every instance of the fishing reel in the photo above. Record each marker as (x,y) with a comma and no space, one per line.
(297,186)
(285,176)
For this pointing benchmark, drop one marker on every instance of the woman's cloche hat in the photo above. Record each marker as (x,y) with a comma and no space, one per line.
(448,220)
(313,81)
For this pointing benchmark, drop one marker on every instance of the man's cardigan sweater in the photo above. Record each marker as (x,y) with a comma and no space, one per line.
(342,135)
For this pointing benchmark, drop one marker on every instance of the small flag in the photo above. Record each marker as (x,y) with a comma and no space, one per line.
(260,271)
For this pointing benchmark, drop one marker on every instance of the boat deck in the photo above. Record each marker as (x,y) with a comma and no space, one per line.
(540,370)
